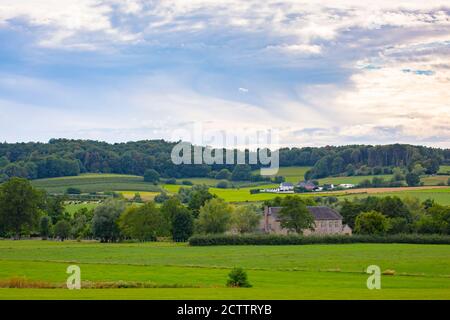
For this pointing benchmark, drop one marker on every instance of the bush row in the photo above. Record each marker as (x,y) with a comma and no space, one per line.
(269,239)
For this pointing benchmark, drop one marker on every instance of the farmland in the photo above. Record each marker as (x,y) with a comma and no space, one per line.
(95,183)
(292,174)
(444,170)
(178,271)
(128,185)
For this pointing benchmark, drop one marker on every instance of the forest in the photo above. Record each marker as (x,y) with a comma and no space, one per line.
(63,157)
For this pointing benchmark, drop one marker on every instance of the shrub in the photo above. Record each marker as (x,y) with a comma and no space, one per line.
(371,222)
(62,229)
(151,175)
(238,278)
(72,190)
(187,183)
(222,184)
(223,174)
(171,181)
(275,239)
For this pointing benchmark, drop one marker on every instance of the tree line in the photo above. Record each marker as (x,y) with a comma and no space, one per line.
(27,211)
(63,157)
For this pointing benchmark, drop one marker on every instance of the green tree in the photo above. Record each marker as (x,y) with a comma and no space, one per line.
(144,223)
(104,222)
(182,225)
(398,175)
(371,222)
(62,229)
(197,198)
(45,225)
(241,172)
(350,170)
(19,205)
(222,184)
(214,217)
(246,218)
(82,223)
(151,175)
(223,174)
(418,169)
(412,179)
(294,215)
(179,217)
(55,208)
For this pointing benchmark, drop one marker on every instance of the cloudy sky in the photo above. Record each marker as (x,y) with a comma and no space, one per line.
(320,72)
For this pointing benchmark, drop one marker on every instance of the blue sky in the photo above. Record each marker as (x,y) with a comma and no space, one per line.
(321,72)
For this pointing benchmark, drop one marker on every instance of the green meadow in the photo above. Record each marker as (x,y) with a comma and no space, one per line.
(441,196)
(178,271)
(95,183)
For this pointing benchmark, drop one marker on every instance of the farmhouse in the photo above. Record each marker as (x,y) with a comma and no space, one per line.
(326,221)
(286,187)
(307,185)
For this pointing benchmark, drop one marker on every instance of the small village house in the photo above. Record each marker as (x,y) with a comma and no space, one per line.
(326,221)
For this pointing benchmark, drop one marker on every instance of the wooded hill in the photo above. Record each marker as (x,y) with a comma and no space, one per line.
(62,157)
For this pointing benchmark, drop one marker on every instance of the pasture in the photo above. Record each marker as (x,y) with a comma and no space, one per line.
(444,169)
(95,183)
(292,174)
(178,271)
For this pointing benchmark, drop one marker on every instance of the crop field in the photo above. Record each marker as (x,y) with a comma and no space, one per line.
(145,195)
(435,180)
(95,183)
(178,271)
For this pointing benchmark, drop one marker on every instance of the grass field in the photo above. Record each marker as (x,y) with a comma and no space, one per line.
(441,195)
(444,169)
(74,207)
(276,272)
(292,174)
(95,183)
(352,179)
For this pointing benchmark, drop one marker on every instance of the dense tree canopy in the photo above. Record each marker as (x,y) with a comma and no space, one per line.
(62,157)
(19,205)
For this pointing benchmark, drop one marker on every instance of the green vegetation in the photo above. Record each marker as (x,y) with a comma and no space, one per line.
(95,183)
(63,157)
(444,170)
(296,239)
(352,180)
(441,196)
(293,174)
(237,278)
(276,272)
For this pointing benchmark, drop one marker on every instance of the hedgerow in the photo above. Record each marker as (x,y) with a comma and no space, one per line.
(272,239)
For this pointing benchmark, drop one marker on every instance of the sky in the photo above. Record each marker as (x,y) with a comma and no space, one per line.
(316,72)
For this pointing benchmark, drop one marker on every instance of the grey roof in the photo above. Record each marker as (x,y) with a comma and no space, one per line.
(318,212)
(286,184)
